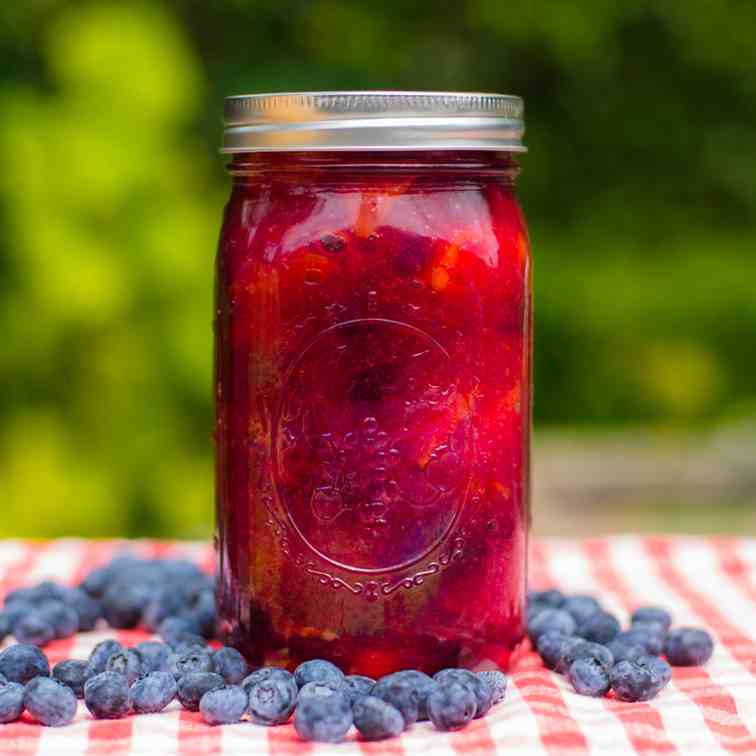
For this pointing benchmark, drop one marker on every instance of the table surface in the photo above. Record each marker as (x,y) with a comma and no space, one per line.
(709,582)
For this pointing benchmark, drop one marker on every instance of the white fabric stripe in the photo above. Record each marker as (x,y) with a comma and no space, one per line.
(423,738)
(513,725)
(676,710)
(66,740)
(627,550)
(244,738)
(153,734)
(11,553)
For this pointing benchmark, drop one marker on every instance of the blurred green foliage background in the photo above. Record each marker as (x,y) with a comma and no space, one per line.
(640,188)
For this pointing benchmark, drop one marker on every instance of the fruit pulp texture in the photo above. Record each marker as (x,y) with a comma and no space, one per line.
(373,339)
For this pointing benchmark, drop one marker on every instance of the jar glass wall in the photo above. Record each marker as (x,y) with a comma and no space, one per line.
(373,391)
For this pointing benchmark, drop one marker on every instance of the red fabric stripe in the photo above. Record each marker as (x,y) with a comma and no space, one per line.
(283,740)
(475,738)
(559,731)
(394,747)
(651,736)
(195,737)
(109,736)
(736,569)
(207,559)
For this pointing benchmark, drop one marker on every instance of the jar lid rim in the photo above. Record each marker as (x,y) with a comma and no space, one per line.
(373,120)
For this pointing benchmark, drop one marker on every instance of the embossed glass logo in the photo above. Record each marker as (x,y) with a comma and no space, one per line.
(372,445)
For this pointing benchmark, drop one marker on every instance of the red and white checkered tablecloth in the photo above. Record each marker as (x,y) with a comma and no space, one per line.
(704,581)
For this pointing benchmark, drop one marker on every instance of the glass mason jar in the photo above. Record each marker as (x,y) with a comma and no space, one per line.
(373,386)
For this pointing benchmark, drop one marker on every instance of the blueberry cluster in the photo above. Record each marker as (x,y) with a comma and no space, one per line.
(116,681)
(576,637)
(328,703)
(172,596)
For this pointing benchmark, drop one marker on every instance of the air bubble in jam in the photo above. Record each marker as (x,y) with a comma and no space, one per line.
(373,400)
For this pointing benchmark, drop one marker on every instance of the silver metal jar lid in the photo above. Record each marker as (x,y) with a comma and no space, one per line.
(377,120)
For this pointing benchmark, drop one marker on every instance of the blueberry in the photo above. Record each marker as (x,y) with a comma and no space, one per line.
(98,659)
(269,673)
(652,614)
(16,611)
(34,595)
(187,642)
(418,681)
(658,667)
(154,656)
(550,619)
(20,663)
(153,692)
(651,640)
(272,697)
(5,626)
(88,609)
(11,702)
(533,611)
(623,651)
(482,692)
(192,686)
(27,595)
(73,673)
(63,619)
(107,695)
(123,604)
(687,647)
(49,589)
(634,682)
(411,255)
(324,719)
(172,629)
(166,602)
(97,581)
(580,607)
(451,705)
(357,686)
(497,681)
(589,677)
(202,613)
(551,646)
(317,670)
(49,702)
(34,629)
(651,626)
(585,650)
(375,719)
(194,660)
(182,571)
(230,665)
(332,242)
(225,705)
(550,599)
(315,689)
(127,663)
(599,627)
